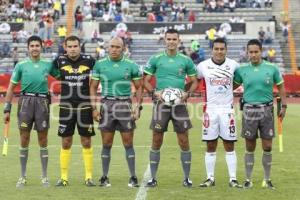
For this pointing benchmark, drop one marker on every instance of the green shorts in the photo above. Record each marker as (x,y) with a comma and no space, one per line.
(33,109)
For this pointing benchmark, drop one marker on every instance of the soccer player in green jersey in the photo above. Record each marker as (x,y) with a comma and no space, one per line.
(170,69)
(116,73)
(258,78)
(33,105)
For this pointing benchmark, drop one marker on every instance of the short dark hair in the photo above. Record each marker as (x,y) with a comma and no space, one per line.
(171,31)
(72,38)
(254,42)
(34,38)
(219,40)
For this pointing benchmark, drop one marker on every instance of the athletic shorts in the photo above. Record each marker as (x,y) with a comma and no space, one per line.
(258,119)
(70,117)
(219,123)
(33,109)
(162,114)
(116,115)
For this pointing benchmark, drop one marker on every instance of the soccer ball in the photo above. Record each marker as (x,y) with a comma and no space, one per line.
(171,96)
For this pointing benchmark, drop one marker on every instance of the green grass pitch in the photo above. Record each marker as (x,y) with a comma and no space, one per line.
(285,170)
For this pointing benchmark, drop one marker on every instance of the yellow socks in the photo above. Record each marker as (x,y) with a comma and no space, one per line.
(65,157)
(88,162)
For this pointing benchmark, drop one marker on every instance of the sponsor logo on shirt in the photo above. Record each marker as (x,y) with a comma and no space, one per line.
(219,81)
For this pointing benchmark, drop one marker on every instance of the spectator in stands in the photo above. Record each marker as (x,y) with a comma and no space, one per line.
(118,17)
(264,54)
(49,26)
(143,10)
(212,6)
(192,16)
(232,5)
(42,28)
(211,35)
(161,36)
(159,17)
(285,30)
(14,35)
(256,4)
(269,36)
(100,52)
(268,3)
(273,19)
(63,3)
(127,52)
(113,33)
(261,34)
(155,8)
(87,11)
(15,55)
(201,54)
(5,50)
(243,55)
(22,36)
(56,8)
(125,6)
(106,16)
(195,57)
(221,34)
(79,18)
(48,46)
(271,54)
(181,49)
(182,8)
(151,17)
(195,45)
(4,28)
(75,14)
(220,6)
(62,33)
(112,10)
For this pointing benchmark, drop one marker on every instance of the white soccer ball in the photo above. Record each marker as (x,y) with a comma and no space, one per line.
(171,96)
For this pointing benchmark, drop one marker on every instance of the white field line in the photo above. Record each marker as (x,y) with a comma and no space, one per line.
(142,193)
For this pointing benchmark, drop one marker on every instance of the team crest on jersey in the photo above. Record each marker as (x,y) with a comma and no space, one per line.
(126,76)
(227,67)
(115,65)
(268,80)
(180,72)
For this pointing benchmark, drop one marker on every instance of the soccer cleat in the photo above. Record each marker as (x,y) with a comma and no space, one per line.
(45,182)
(152,183)
(207,183)
(235,184)
(133,182)
(21,182)
(187,183)
(268,184)
(89,183)
(247,184)
(104,182)
(62,183)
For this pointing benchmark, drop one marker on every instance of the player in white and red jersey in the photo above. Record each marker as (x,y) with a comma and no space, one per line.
(218,114)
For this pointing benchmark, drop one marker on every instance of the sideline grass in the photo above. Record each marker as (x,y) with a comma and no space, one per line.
(285,171)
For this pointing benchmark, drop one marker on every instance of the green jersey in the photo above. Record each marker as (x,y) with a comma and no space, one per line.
(170,71)
(33,75)
(116,76)
(258,81)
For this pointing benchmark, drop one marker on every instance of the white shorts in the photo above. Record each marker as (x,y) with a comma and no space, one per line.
(219,123)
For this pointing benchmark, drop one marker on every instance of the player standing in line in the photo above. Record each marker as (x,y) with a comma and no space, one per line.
(116,73)
(170,69)
(258,78)
(218,112)
(33,105)
(75,108)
